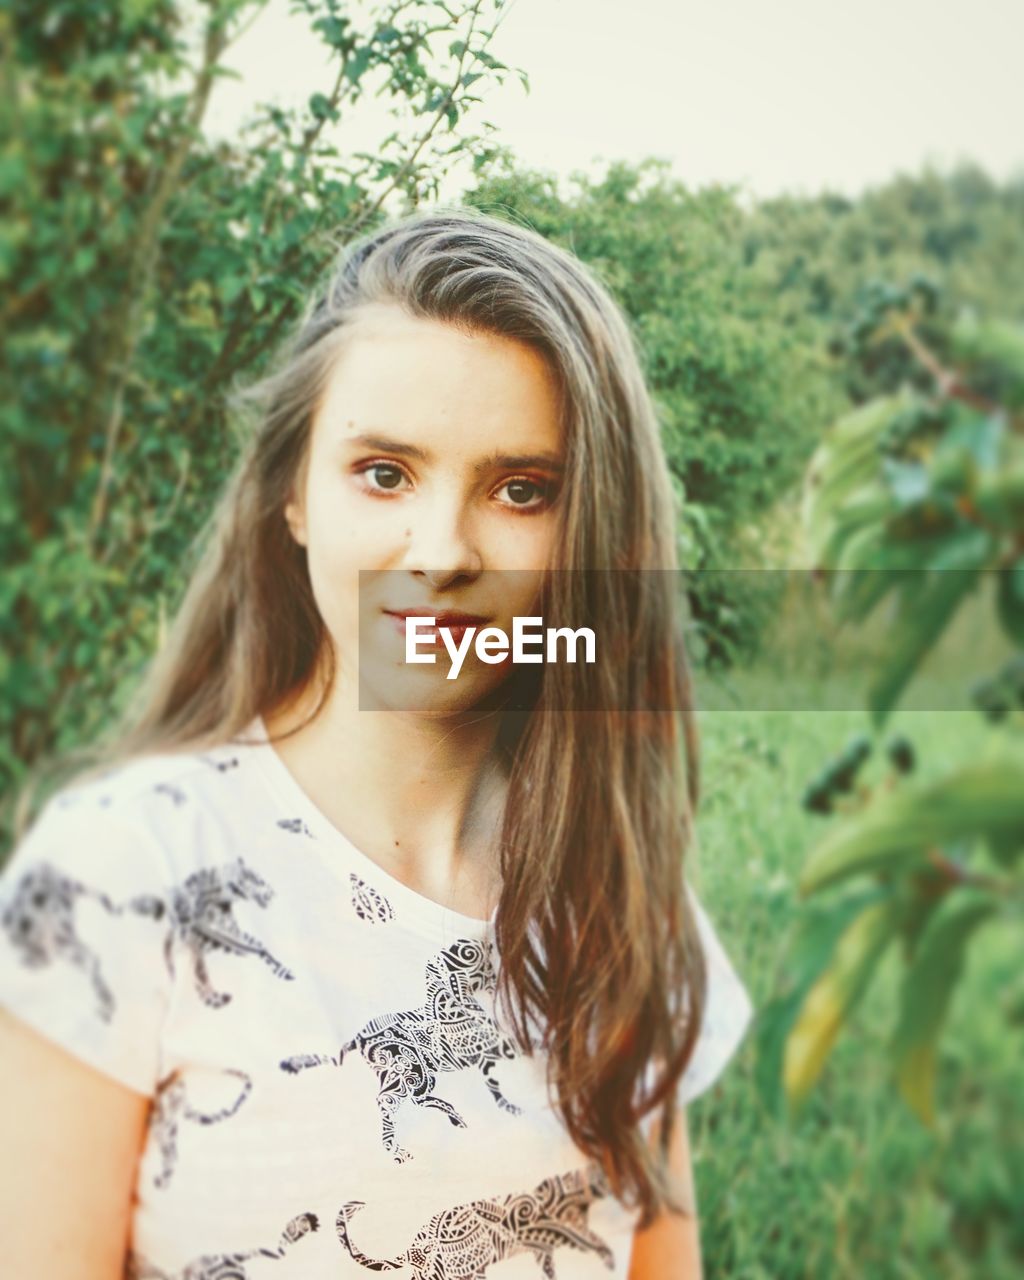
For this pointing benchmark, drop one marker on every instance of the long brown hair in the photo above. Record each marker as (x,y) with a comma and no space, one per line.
(596,935)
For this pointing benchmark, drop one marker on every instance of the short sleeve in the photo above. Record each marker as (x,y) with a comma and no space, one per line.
(84,938)
(727,1014)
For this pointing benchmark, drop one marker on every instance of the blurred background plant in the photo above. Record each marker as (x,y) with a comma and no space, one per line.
(916,501)
(144,269)
(913,505)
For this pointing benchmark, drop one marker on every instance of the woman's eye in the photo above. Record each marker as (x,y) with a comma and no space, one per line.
(386,475)
(527,494)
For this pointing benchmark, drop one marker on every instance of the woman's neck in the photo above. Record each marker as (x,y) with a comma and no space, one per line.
(423,798)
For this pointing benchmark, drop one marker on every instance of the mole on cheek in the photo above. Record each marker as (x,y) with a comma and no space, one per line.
(408,533)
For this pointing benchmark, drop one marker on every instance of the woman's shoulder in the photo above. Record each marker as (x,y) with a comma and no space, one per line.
(171,773)
(87,905)
(158,807)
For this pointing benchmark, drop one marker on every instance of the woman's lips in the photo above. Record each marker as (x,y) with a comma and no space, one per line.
(427,637)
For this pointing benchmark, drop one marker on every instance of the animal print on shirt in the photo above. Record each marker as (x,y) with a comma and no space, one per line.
(171,1105)
(224,1266)
(39,921)
(369,904)
(449,1032)
(169,789)
(296,826)
(462,1243)
(201,918)
(80,796)
(222,766)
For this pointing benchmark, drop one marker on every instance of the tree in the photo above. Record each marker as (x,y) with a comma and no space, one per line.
(146,268)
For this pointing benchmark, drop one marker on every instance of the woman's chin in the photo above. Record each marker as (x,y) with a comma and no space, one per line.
(427,692)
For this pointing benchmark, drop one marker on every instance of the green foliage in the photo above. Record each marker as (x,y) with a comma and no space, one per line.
(928,987)
(917,495)
(997,695)
(145,269)
(838,776)
(912,498)
(980,799)
(824,258)
(833,996)
(849,1184)
(994,350)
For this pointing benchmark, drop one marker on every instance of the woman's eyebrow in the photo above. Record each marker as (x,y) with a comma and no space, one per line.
(386,445)
(513,461)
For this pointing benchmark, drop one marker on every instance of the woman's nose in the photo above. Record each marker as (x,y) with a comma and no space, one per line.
(441,542)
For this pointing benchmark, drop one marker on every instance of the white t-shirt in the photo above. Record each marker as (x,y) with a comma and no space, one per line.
(334,1092)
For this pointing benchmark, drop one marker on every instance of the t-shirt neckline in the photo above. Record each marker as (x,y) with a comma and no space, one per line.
(288,789)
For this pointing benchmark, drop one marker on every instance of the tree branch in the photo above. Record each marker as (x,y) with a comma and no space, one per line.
(947,380)
(247,26)
(431,128)
(144,257)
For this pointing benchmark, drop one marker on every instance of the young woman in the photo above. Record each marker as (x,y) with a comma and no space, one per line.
(337,965)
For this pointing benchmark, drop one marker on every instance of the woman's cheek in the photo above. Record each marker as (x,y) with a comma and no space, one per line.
(529,545)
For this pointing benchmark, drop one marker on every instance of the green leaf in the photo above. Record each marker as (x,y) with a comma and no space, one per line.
(229,287)
(1006,847)
(320,106)
(995,349)
(927,989)
(835,994)
(980,435)
(860,591)
(775,1020)
(868,421)
(1000,497)
(135,11)
(817,930)
(984,798)
(226,73)
(334,31)
(907,481)
(489,60)
(954,570)
(868,506)
(355,66)
(964,551)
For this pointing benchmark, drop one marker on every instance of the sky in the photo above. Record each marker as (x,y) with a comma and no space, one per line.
(773,95)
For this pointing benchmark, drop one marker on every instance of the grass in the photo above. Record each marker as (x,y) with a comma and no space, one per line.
(851,1185)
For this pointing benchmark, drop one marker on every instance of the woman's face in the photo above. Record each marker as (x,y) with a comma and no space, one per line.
(434,467)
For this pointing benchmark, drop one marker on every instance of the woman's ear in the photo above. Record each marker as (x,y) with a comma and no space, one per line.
(296,519)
